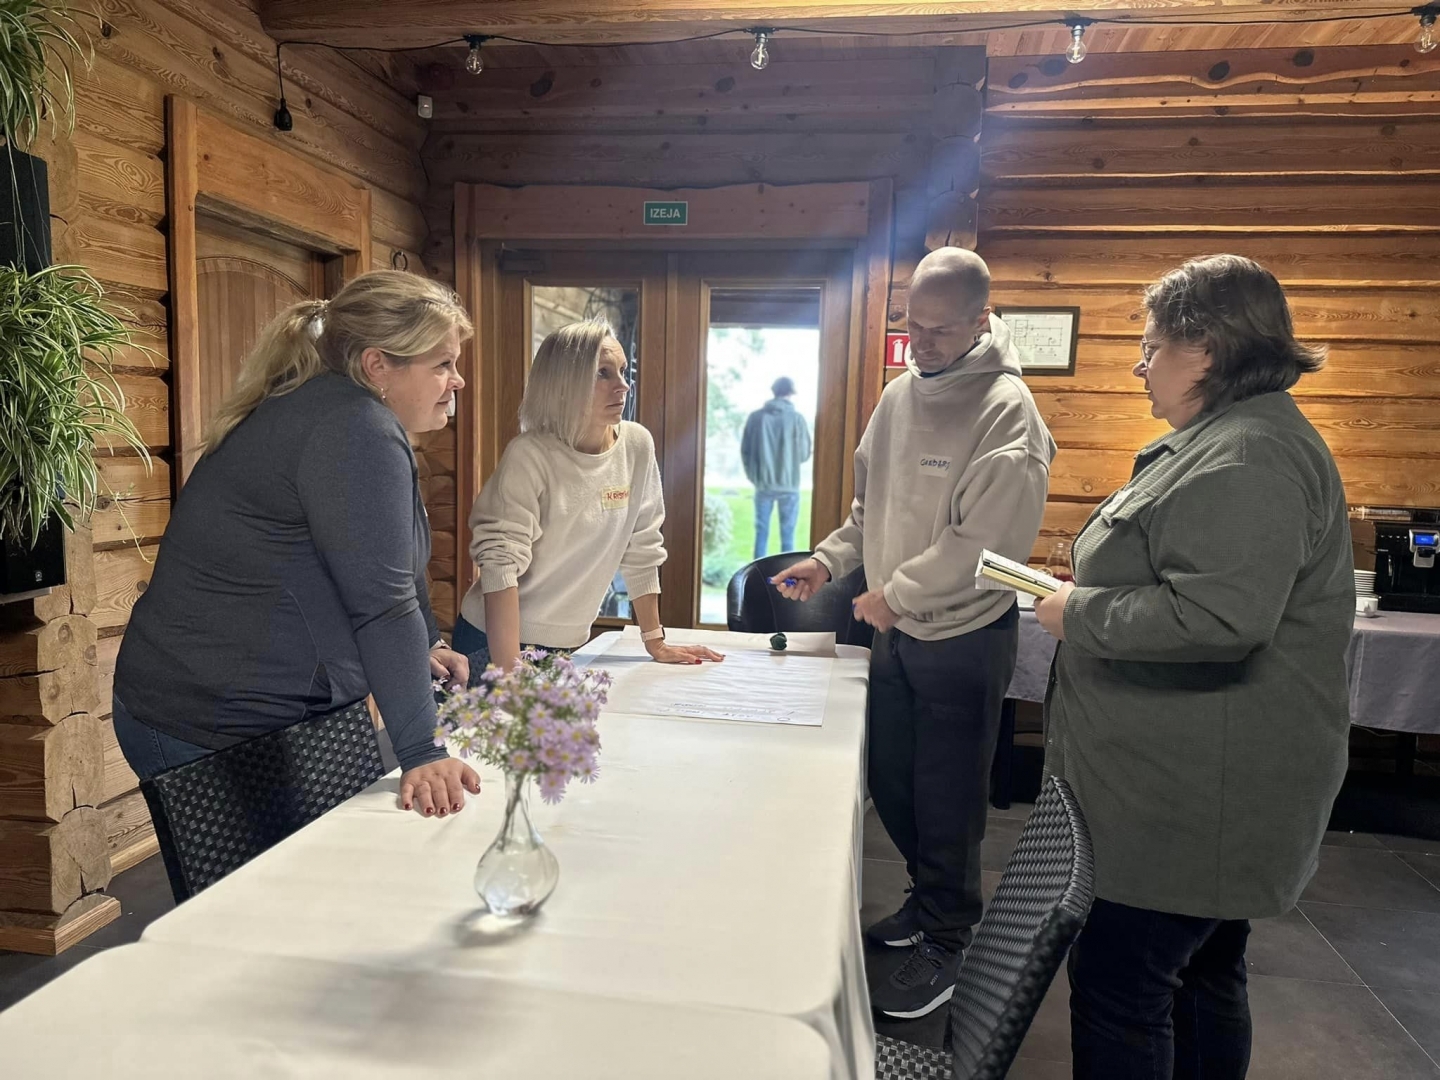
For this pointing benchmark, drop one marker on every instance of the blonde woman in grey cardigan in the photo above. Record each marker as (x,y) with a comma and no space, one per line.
(1198,703)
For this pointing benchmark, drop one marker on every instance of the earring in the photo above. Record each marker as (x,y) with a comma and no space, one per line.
(382,393)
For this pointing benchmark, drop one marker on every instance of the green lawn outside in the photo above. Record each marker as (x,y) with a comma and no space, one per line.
(741,549)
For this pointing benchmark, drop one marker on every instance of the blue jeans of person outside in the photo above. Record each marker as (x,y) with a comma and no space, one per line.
(147,751)
(789,504)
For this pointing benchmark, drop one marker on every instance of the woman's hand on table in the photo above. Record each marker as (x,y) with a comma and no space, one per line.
(438,788)
(1050,610)
(663,653)
(453,667)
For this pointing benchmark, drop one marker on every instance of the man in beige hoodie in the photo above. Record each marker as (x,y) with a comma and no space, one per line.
(955,460)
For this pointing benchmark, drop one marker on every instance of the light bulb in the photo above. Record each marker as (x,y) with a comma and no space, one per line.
(1076,52)
(475,63)
(760,57)
(1426,42)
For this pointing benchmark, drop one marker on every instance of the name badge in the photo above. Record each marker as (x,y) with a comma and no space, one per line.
(615,498)
(934,466)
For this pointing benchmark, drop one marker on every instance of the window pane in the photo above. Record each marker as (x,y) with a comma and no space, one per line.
(554,306)
(757,491)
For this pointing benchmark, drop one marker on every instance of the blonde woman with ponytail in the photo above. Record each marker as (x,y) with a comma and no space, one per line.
(291,580)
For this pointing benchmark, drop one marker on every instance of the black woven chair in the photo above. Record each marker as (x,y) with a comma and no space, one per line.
(1037,911)
(753,606)
(216,814)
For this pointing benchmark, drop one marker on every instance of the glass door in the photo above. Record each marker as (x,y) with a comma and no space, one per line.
(545,290)
(773,348)
(712,338)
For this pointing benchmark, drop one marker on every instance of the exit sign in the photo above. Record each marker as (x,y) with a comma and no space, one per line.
(667,213)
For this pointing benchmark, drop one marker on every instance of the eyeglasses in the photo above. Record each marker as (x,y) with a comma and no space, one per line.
(1148,350)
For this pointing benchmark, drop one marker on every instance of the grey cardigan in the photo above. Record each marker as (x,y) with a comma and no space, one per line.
(291,581)
(1198,705)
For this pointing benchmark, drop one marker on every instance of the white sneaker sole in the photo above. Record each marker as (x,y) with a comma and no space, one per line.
(944,996)
(903,943)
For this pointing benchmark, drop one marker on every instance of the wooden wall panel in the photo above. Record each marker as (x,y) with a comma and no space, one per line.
(1097,180)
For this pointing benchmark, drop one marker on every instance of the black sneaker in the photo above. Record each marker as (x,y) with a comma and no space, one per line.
(922,984)
(902,929)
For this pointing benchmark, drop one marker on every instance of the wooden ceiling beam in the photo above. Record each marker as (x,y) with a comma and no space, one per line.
(387,24)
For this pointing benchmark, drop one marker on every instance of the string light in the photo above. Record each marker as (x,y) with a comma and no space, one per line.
(760,56)
(475,63)
(1077,50)
(1426,42)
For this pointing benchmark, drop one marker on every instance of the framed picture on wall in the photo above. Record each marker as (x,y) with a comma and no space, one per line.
(1045,337)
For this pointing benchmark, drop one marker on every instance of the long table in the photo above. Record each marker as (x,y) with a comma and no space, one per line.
(709,879)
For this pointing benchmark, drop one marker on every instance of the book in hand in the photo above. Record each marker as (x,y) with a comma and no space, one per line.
(998,572)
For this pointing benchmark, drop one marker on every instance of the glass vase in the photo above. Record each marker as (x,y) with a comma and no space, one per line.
(517,873)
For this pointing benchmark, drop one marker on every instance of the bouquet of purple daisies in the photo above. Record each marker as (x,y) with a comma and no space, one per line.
(536,720)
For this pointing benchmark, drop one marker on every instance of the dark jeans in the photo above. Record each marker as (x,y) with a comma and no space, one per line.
(934,718)
(789,504)
(147,751)
(475,644)
(1156,996)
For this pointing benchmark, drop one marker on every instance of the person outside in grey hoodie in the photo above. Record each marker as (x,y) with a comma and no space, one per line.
(775,444)
(955,460)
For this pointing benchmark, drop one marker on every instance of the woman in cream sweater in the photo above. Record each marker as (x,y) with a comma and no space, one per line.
(575,498)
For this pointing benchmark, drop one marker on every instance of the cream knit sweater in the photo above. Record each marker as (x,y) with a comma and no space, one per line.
(559,524)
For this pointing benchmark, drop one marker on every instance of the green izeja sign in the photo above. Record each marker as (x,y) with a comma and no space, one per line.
(667,213)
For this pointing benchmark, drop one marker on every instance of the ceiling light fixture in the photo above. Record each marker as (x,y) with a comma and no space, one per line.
(475,63)
(760,56)
(1077,50)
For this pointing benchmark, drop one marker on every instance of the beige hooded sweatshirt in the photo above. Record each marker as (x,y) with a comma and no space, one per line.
(949,465)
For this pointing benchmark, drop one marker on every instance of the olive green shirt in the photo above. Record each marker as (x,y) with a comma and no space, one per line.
(1198,706)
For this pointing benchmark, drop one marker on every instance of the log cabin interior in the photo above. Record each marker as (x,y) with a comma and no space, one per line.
(1304,135)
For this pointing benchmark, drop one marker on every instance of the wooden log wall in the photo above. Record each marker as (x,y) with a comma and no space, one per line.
(72,814)
(1322,164)
(649,117)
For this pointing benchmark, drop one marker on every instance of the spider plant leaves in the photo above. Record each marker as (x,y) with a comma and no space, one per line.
(58,396)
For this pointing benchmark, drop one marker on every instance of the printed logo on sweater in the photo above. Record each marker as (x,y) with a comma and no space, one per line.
(934,465)
(615,498)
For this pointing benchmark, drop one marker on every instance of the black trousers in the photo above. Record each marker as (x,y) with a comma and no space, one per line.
(934,718)
(1158,996)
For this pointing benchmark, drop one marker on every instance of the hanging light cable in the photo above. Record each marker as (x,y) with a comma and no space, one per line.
(1077,50)
(760,56)
(475,63)
(1426,42)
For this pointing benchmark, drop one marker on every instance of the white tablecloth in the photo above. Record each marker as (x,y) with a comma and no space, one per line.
(174,1012)
(1393,663)
(714,864)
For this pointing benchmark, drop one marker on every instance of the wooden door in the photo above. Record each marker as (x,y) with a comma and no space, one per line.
(664,306)
(244,279)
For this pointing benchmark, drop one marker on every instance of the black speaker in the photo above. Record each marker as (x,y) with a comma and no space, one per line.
(24,211)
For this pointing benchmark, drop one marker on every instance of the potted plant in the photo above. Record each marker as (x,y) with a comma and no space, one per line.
(36,43)
(533,722)
(57,395)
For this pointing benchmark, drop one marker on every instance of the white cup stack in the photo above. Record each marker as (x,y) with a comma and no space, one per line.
(1367,601)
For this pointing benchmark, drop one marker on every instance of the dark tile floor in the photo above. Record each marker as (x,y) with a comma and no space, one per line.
(1344,987)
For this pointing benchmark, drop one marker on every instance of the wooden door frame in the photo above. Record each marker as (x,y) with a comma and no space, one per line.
(213,167)
(855,215)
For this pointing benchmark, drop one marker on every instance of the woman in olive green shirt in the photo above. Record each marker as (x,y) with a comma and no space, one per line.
(1198,706)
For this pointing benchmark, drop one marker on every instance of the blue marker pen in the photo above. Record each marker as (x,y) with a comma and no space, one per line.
(791,582)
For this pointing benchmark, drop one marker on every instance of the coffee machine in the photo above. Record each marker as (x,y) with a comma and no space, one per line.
(1406,575)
